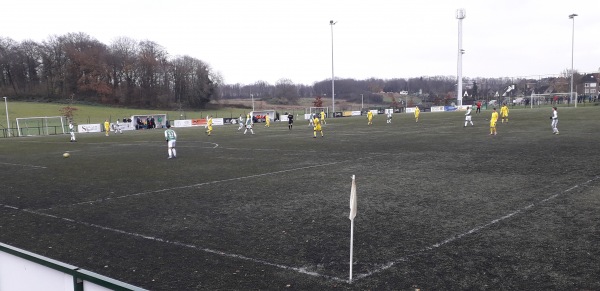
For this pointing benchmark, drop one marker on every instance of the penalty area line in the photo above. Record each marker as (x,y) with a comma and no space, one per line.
(471,231)
(195,185)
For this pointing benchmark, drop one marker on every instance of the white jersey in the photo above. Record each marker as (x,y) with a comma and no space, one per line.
(554,123)
(170,134)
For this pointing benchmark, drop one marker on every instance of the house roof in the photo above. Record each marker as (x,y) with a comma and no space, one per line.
(589,78)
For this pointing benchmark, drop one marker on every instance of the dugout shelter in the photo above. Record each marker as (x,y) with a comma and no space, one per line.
(148,121)
(259,116)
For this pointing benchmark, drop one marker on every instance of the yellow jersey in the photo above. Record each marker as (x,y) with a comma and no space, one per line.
(494,118)
(504,111)
(317,124)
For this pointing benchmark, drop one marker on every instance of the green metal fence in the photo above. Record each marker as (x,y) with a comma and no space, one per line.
(80,276)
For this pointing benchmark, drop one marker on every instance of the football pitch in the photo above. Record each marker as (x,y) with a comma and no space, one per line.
(440,206)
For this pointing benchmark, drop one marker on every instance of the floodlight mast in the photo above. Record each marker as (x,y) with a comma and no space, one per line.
(332,23)
(572,16)
(460,15)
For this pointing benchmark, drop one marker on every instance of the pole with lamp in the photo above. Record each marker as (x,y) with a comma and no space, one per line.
(572,16)
(7,120)
(332,23)
(460,15)
(362,102)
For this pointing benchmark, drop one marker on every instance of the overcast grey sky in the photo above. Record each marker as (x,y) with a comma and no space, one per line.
(251,40)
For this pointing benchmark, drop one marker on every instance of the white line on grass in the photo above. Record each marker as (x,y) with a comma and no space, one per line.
(26,166)
(196,185)
(301,270)
(471,231)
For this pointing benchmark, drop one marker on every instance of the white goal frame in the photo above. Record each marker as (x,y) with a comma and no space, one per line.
(545,95)
(42,124)
(315,110)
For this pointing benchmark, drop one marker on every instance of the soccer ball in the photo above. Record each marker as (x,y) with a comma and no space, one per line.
(66,155)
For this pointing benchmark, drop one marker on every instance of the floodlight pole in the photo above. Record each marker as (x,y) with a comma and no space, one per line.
(460,15)
(362,102)
(7,120)
(572,16)
(332,23)
(252,96)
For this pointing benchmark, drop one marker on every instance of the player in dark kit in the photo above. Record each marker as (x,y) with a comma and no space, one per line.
(290,121)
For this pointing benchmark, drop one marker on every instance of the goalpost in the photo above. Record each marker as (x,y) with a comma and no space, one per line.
(47,125)
(539,99)
(317,110)
(309,112)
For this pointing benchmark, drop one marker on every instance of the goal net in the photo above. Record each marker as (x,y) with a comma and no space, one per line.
(317,110)
(47,125)
(539,100)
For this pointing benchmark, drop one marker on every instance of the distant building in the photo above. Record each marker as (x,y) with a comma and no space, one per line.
(590,85)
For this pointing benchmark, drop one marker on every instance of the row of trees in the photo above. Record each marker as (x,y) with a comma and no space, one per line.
(126,72)
(439,90)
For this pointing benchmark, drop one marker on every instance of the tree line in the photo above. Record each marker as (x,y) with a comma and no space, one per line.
(126,72)
(438,90)
(78,67)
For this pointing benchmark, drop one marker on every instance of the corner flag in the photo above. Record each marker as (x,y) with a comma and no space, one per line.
(353,199)
(352,216)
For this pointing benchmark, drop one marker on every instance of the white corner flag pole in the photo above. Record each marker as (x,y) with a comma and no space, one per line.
(352,216)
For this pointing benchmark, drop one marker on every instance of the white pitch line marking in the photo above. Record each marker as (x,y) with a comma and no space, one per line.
(26,166)
(301,270)
(471,231)
(192,186)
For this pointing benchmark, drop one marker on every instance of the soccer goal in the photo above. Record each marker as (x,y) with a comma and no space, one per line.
(317,110)
(47,125)
(549,98)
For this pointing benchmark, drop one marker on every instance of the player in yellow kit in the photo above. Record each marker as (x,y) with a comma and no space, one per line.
(369,117)
(504,113)
(106,127)
(493,121)
(417,112)
(317,127)
(209,125)
(267,121)
(323,117)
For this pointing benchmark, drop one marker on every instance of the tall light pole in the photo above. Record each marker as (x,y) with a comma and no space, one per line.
(460,15)
(332,23)
(7,120)
(252,96)
(572,16)
(362,102)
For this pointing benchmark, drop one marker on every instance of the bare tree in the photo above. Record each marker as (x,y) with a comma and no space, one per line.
(123,62)
(150,58)
(286,92)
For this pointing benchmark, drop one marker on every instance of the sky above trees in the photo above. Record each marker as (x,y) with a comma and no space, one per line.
(248,41)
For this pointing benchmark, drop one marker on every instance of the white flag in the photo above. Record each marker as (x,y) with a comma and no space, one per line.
(353,200)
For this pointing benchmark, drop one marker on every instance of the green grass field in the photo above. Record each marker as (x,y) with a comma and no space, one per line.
(440,206)
(97,114)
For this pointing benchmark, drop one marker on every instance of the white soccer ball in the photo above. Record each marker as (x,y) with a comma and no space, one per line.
(66,155)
